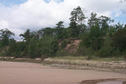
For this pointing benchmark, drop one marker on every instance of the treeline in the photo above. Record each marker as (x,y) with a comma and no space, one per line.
(98,36)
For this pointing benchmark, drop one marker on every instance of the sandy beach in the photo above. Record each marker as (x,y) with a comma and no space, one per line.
(32,73)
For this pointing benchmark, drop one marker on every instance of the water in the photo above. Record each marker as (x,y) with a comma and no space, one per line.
(111,82)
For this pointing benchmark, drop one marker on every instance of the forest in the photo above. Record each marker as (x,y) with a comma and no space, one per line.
(98,36)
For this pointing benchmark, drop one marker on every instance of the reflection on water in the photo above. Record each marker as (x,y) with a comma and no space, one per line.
(111,82)
(106,81)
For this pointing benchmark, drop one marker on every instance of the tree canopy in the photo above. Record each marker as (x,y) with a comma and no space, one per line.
(96,34)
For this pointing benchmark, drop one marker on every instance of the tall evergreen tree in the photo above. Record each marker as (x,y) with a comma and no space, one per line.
(60,30)
(5,36)
(77,18)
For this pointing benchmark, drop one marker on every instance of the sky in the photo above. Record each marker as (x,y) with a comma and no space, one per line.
(19,15)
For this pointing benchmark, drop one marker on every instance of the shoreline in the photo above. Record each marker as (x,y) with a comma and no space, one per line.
(24,73)
(114,66)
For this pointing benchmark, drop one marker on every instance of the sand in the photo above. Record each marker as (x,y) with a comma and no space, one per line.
(31,73)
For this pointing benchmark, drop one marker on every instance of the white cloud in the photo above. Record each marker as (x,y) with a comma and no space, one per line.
(38,13)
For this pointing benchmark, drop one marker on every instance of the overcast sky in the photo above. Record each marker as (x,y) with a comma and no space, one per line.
(19,15)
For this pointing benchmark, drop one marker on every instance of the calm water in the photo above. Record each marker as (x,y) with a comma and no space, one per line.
(111,82)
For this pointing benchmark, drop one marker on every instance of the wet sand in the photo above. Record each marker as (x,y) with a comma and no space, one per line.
(31,73)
